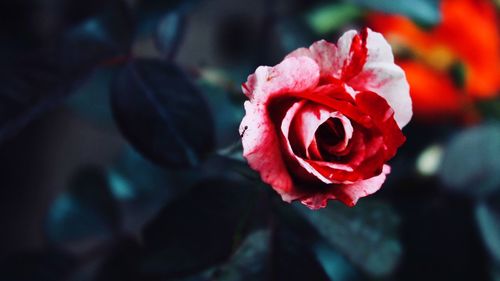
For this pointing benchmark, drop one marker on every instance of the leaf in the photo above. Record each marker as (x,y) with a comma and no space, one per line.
(422,11)
(31,84)
(36,77)
(199,230)
(162,114)
(336,266)
(150,13)
(366,234)
(220,231)
(85,212)
(170,32)
(488,220)
(470,163)
(142,188)
(91,101)
(293,260)
(103,38)
(251,261)
(227,114)
(275,253)
(331,17)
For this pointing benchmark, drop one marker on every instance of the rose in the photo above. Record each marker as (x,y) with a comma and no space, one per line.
(322,123)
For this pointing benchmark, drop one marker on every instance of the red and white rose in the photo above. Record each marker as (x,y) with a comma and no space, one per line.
(323,123)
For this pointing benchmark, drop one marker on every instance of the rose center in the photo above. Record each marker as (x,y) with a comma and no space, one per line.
(330,134)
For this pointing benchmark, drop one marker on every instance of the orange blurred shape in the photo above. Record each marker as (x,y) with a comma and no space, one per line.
(469,34)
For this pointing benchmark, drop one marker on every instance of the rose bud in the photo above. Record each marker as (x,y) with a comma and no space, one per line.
(323,123)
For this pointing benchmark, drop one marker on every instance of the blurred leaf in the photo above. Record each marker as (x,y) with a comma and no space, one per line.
(150,13)
(251,261)
(199,230)
(227,114)
(143,188)
(91,101)
(366,234)
(86,211)
(222,230)
(488,220)
(272,254)
(31,84)
(293,260)
(162,113)
(331,17)
(37,77)
(51,265)
(425,12)
(336,266)
(169,33)
(471,163)
(101,38)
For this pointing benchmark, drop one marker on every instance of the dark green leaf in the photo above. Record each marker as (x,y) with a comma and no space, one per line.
(35,77)
(365,234)
(103,38)
(150,13)
(471,163)
(199,230)
(273,254)
(251,261)
(32,83)
(227,114)
(86,211)
(336,266)
(143,188)
(169,33)
(91,101)
(488,220)
(292,258)
(162,113)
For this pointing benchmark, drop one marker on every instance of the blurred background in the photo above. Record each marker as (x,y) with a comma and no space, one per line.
(120,155)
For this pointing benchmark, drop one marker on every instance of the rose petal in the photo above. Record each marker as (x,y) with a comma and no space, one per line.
(285,129)
(323,53)
(349,194)
(344,54)
(381,75)
(365,62)
(296,74)
(308,120)
(261,148)
(383,116)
